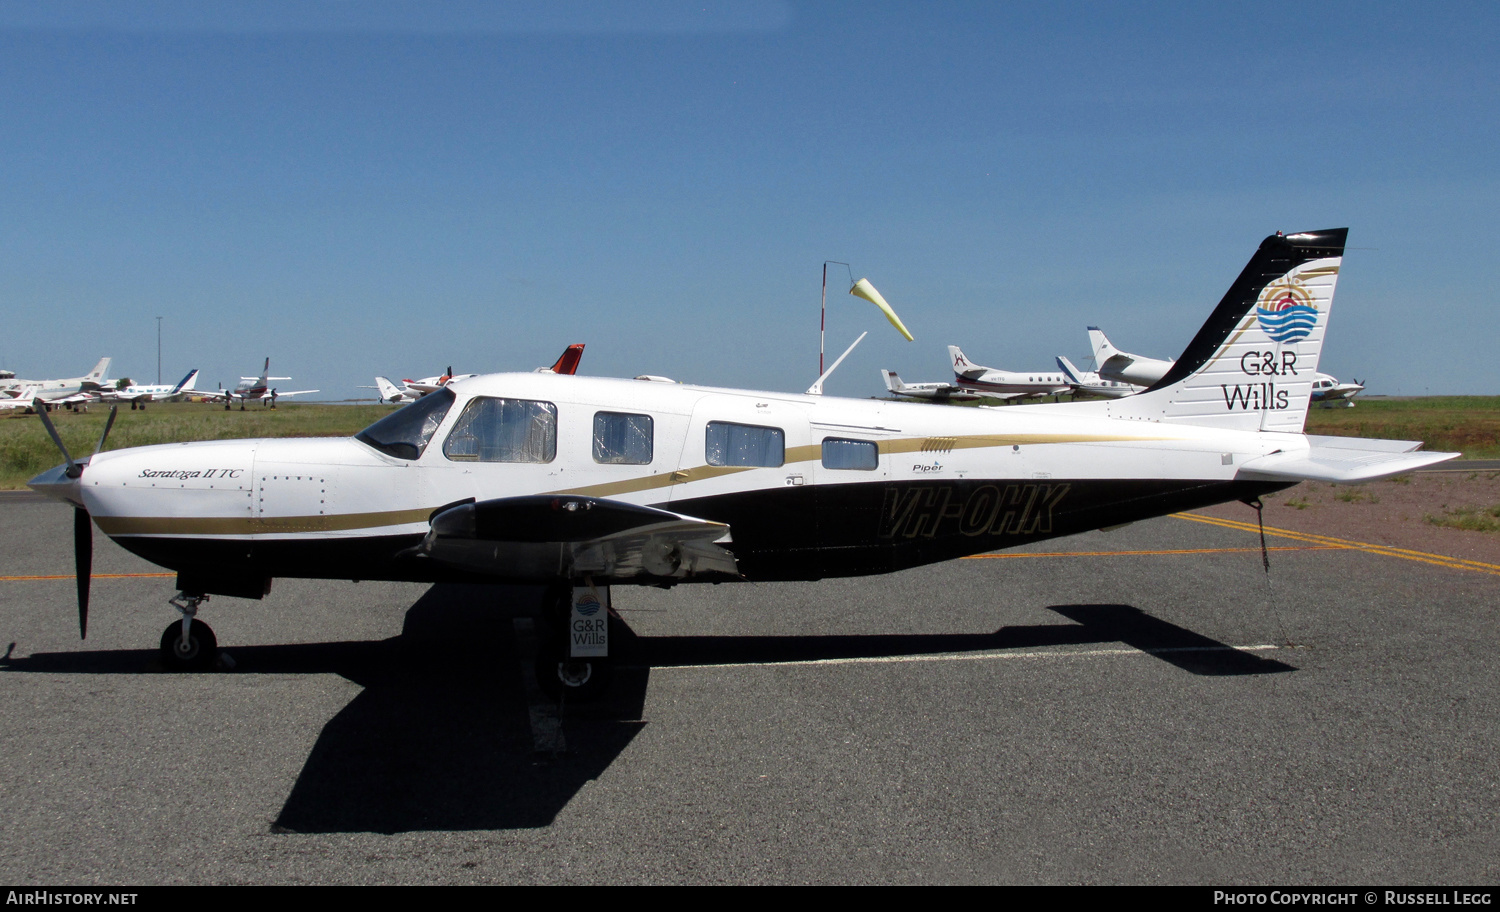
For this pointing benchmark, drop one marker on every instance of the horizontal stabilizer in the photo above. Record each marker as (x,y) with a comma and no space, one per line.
(1346,460)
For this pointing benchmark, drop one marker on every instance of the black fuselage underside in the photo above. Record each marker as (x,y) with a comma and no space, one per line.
(792,533)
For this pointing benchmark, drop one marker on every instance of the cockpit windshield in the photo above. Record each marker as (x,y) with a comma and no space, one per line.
(405,432)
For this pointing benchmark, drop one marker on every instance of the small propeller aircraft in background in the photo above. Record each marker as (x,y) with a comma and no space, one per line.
(584,483)
(412,390)
(938,390)
(140,394)
(254,389)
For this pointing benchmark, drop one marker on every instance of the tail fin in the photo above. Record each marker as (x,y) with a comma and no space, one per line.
(97,374)
(962,366)
(892,382)
(388,390)
(1103,350)
(1251,366)
(186,382)
(1073,374)
(567,363)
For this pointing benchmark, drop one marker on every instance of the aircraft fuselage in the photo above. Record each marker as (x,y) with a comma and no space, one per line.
(848,487)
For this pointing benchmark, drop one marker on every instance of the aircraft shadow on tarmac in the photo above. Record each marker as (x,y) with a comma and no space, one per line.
(440,737)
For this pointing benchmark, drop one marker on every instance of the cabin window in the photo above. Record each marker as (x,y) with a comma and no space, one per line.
(504,430)
(622,439)
(405,432)
(744,445)
(863,455)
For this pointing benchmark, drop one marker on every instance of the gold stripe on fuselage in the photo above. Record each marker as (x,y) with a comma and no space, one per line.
(346,522)
(256,525)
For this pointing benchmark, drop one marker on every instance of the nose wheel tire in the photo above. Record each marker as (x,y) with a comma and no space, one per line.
(197,654)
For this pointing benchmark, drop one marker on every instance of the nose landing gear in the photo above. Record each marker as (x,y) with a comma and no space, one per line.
(189,644)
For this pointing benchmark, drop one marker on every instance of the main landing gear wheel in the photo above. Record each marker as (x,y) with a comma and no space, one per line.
(574,680)
(563,677)
(197,654)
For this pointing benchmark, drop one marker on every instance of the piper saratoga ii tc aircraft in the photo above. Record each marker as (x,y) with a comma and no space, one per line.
(583,483)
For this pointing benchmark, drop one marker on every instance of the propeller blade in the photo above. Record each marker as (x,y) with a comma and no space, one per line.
(83,565)
(108,423)
(41,409)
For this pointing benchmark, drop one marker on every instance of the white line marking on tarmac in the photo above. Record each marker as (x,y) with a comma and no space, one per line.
(976,656)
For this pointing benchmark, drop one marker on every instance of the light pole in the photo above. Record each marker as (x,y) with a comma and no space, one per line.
(158,351)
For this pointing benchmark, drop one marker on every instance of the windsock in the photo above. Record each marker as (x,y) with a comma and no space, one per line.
(863,289)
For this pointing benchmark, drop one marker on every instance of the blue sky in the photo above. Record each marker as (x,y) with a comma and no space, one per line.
(362,187)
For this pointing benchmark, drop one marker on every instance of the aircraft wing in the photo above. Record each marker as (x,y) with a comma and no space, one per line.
(281,395)
(548,536)
(1343,459)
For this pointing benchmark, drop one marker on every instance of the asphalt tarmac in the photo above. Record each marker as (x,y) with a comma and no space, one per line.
(1141,706)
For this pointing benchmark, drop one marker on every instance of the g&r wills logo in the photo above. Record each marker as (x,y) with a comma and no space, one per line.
(1286,311)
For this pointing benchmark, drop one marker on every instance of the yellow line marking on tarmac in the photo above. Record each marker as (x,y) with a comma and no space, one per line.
(1139,553)
(27,579)
(1438,560)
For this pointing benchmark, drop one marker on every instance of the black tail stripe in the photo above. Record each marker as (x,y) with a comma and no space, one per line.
(1277,256)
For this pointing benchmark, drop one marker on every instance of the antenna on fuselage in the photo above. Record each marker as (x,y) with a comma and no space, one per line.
(817,388)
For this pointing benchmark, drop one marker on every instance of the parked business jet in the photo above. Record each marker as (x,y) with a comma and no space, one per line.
(1091,384)
(54,391)
(940,391)
(1113,364)
(254,389)
(581,483)
(138,394)
(1003,384)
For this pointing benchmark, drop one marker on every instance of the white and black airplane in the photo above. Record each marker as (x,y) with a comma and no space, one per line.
(583,483)
(1003,384)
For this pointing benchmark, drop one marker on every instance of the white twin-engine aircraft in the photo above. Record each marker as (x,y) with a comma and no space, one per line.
(255,389)
(583,483)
